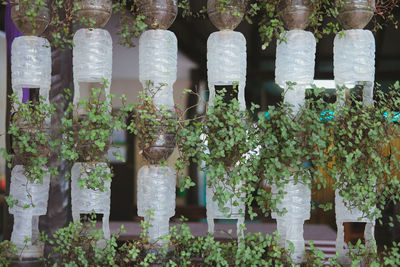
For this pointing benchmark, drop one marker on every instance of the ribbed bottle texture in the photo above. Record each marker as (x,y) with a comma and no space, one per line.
(92,58)
(354,57)
(234,212)
(158,52)
(295,62)
(345,214)
(354,61)
(26,221)
(156,194)
(31,65)
(297,202)
(85,201)
(295,58)
(226,62)
(212,206)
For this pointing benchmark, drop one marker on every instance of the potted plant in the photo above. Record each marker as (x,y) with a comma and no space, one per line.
(32,144)
(31,18)
(93,13)
(291,150)
(87,128)
(223,139)
(361,169)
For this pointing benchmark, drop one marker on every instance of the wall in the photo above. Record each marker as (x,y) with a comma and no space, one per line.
(3,97)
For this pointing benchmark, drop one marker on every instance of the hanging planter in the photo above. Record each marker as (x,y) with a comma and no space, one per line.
(30,177)
(159,14)
(156,199)
(226,16)
(94,13)
(95,198)
(161,147)
(297,204)
(346,212)
(158,51)
(234,208)
(86,139)
(92,124)
(32,25)
(296,13)
(355,14)
(27,211)
(41,149)
(29,128)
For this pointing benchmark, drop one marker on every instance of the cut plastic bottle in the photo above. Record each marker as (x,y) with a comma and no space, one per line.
(227,63)
(26,221)
(87,201)
(297,203)
(156,198)
(92,59)
(295,63)
(31,65)
(158,52)
(354,61)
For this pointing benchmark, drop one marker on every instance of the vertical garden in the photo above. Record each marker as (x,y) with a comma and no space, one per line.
(257,163)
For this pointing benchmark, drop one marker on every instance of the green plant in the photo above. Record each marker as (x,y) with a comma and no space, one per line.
(367,256)
(270,23)
(185,6)
(222,140)
(87,129)
(31,10)
(77,245)
(131,22)
(32,141)
(292,147)
(362,171)
(149,119)
(384,14)
(8,253)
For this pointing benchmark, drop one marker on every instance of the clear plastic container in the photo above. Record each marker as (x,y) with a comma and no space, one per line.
(343,215)
(295,59)
(297,202)
(31,65)
(85,201)
(92,58)
(158,53)
(354,57)
(156,194)
(227,62)
(26,221)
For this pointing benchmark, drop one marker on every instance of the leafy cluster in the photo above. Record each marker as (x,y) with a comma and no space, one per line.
(363,170)
(149,120)
(8,252)
(292,147)
(87,128)
(131,22)
(240,156)
(361,254)
(32,141)
(78,244)
(82,244)
(223,140)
